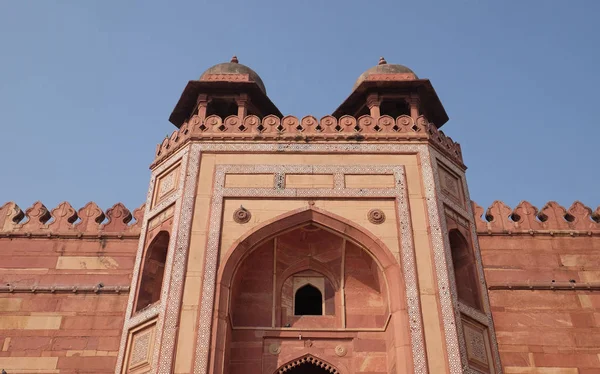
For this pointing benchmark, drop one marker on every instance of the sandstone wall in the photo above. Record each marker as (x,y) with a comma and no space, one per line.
(64,282)
(543,275)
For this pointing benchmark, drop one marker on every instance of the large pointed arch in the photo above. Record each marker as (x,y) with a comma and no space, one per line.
(336,224)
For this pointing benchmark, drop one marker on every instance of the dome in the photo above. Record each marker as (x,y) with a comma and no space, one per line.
(384,68)
(233,67)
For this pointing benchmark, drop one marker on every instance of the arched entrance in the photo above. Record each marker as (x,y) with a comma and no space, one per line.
(307,365)
(264,275)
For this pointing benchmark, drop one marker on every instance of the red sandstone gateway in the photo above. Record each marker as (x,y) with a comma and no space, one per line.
(275,244)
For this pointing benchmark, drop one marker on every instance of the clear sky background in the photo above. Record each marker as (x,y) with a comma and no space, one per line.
(87,87)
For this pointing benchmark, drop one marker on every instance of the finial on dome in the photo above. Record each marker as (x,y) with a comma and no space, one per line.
(382,61)
(234,60)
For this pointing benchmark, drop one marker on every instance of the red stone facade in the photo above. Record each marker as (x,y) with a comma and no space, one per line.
(64,285)
(544,282)
(272,244)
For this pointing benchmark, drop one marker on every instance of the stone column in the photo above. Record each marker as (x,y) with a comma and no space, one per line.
(413,103)
(374,103)
(202,105)
(242,103)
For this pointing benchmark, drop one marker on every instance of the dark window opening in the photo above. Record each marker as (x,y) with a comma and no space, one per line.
(394,108)
(363,111)
(222,108)
(308,301)
(150,286)
(465,271)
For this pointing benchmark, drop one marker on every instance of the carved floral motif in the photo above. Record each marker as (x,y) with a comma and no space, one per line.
(340,350)
(376,216)
(242,215)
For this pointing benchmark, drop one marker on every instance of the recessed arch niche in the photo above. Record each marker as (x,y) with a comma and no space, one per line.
(155,257)
(359,278)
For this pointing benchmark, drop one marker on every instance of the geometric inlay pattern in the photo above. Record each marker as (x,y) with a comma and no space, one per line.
(475,344)
(458,209)
(163,338)
(139,350)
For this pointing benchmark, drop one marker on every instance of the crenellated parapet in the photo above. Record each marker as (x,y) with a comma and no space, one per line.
(306,129)
(65,221)
(552,219)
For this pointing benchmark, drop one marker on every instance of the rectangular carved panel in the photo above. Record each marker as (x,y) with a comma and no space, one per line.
(477,343)
(249,180)
(309,181)
(369,181)
(451,185)
(166,184)
(141,345)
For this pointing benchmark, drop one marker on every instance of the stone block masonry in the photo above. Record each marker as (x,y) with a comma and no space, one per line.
(543,273)
(64,282)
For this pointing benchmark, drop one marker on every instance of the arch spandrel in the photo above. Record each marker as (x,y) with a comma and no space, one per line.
(340,225)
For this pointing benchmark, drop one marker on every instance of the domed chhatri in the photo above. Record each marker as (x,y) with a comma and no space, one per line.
(384,71)
(237,71)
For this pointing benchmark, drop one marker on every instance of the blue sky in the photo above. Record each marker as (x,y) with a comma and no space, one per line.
(87,87)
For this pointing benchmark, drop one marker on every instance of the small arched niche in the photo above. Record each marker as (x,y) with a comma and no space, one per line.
(153,271)
(465,270)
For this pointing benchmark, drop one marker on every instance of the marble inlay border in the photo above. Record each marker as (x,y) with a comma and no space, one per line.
(486,317)
(473,313)
(172,286)
(399,193)
(439,243)
(176,267)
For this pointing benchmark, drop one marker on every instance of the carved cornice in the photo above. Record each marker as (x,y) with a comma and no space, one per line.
(307,129)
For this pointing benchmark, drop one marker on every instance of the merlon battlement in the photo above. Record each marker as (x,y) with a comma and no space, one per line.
(526,218)
(308,128)
(65,221)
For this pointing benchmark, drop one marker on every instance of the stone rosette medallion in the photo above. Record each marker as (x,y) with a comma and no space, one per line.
(242,215)
(376,216)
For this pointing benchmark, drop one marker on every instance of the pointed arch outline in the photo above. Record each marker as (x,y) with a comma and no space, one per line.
(240,249)
(244,246)
(278,225)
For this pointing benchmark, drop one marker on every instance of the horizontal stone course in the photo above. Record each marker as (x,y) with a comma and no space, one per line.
(543,331)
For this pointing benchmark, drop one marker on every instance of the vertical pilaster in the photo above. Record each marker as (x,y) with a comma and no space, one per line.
(149,335)
(475,335)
